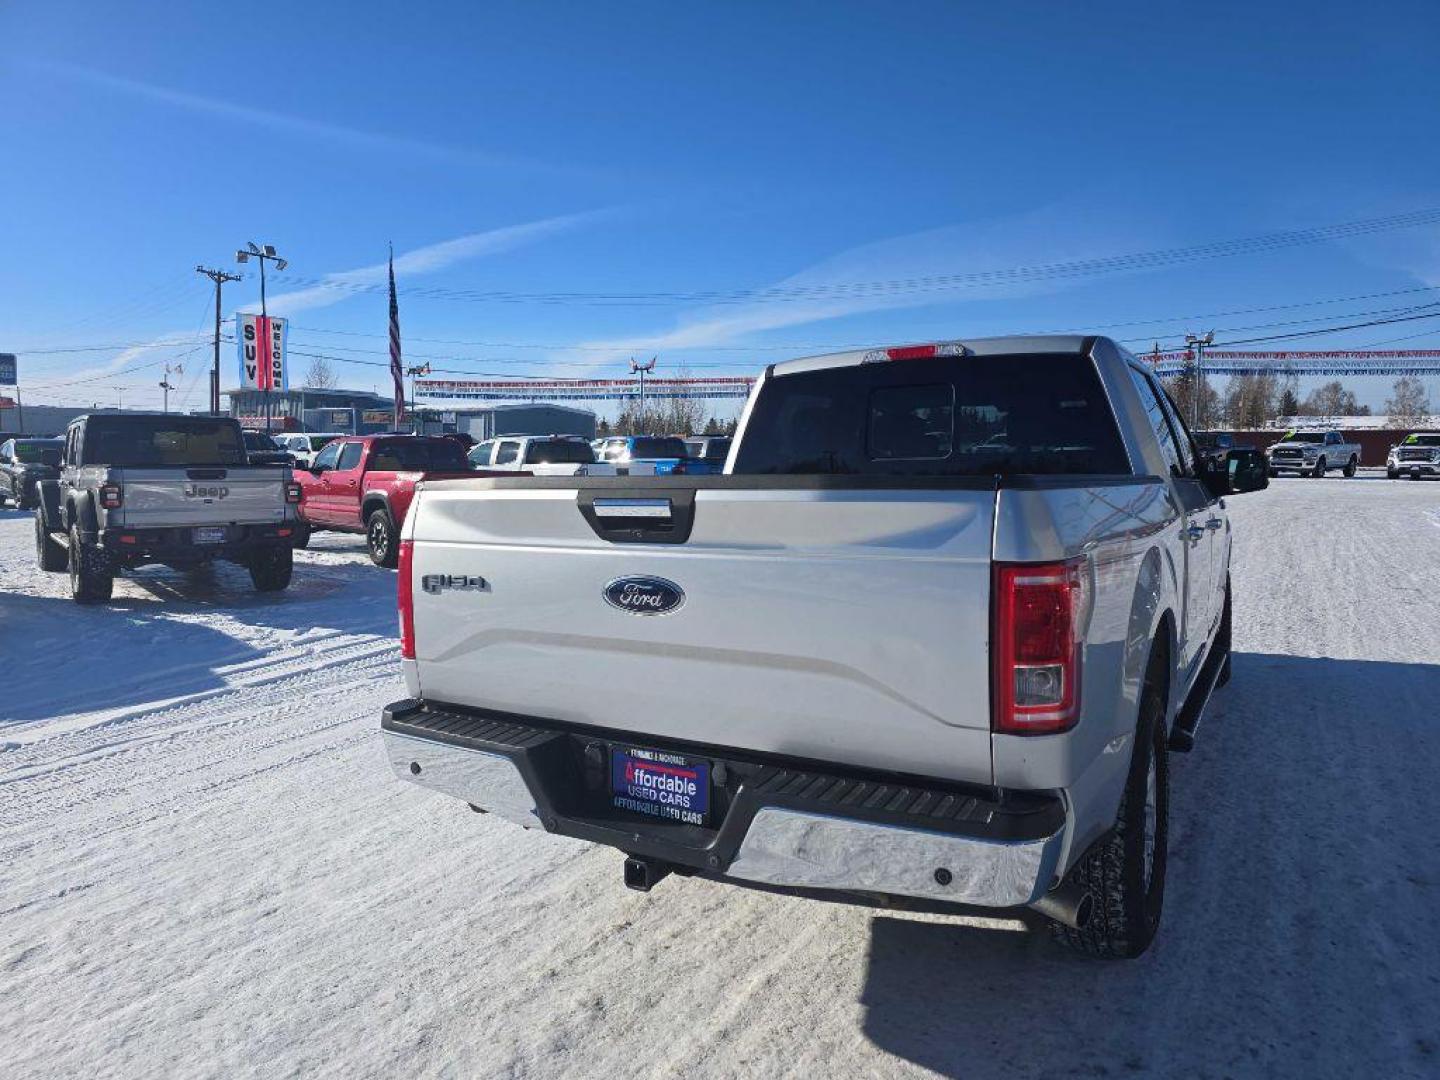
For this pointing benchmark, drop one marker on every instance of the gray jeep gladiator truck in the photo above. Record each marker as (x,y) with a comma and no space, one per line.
(137,488)
(927,643)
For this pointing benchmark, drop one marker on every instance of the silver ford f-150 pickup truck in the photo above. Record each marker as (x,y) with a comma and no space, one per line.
(925,644)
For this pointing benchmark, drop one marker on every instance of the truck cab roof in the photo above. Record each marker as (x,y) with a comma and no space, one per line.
(1076,344)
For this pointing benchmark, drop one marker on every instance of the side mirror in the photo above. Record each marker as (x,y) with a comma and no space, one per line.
(1235,472)
(315,469)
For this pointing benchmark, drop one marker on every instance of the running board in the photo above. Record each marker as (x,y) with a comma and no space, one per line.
(1182,735)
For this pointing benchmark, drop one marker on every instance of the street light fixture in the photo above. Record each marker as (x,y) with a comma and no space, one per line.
(263,254)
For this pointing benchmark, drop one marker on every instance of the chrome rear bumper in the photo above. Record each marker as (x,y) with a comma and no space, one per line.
(781,846)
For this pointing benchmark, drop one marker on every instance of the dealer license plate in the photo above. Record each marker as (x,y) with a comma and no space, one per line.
(210,536)
(660,785)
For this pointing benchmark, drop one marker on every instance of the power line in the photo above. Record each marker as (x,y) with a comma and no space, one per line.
(1327,330)
(1155,259)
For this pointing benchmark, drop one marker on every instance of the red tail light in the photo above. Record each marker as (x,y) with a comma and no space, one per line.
(1040,614)
(405,596)
(112,496)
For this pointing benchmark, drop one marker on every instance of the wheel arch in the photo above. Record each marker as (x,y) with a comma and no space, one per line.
(375,500)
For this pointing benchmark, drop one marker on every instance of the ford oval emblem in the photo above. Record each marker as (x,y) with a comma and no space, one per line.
(644,595)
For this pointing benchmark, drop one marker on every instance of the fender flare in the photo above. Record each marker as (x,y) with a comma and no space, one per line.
(48,509)
(1152,613)
(368,502)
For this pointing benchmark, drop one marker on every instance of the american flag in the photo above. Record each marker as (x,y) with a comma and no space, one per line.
(397,370)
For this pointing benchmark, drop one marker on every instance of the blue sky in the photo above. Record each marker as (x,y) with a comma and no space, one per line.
(667,151)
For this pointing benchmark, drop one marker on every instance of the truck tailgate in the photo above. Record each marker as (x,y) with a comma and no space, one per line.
(835,625)
(163,497)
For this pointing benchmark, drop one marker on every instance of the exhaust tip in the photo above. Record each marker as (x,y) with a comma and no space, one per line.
(1068,904)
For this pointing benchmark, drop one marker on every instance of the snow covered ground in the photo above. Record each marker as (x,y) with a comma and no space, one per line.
(207,870)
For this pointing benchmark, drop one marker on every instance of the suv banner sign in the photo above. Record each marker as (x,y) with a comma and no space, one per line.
(8,366)
(262,354)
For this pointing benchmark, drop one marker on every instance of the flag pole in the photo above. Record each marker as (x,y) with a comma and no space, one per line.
(397,372)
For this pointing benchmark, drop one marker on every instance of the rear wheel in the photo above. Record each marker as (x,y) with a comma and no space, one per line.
(1125,874)
(92,581)
(49,552)
(1351,466)
(381,540)
(271,569)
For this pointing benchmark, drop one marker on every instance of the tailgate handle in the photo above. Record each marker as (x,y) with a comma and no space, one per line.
(205,474)
(633,508)
(654,517)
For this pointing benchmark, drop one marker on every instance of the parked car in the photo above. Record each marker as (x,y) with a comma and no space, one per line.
(929,646)
(23,464)
(262,449)
(364,484)
(1417,455)
(711,449)
(137,488)
(1311,453)
(303,446)
(539,455)
(650,455)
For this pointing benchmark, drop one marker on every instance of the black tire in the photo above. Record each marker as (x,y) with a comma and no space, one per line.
(1350,467)
(300,539)
(1392,474)
(1320,468)
(50,554)
(1128,898)
(1274,473)
(271,568)
(92,581)
(381,539)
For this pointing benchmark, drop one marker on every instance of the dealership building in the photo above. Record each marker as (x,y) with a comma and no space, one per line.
(361,412)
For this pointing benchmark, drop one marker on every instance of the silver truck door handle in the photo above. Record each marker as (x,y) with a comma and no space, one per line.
(1214,523)
(1196,531)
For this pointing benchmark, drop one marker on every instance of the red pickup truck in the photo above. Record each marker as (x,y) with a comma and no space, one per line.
(364,484)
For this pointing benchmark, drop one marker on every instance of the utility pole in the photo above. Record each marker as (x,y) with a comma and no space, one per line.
(1200,344)
(219,277)
(263,252)
(642,370)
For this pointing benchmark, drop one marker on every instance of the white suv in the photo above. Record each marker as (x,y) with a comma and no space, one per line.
(304,446)
(539,455)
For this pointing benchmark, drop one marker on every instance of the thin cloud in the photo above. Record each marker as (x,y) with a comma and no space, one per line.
(1047,235)
(296,125)
(344,284)
(340,286)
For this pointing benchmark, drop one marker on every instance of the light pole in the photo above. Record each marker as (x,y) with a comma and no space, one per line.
(642,370)
(414,373)
(167,386)
(263,252)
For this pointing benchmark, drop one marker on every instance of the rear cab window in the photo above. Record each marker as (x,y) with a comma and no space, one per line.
(162,440)
(946,416)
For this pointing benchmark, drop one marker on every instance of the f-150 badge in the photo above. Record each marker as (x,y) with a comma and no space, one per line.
(438,583)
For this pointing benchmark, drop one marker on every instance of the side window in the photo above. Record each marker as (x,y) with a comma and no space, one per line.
(1155,415)
(350,456)
(482,453)
(72,446)
(1184,439)
(5,450)
(507,453)
(326,458)
(1333,438)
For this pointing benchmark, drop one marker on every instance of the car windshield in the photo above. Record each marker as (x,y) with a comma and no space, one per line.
(162,440)
(414,455)
(1422,440)
(257,442)
(1305,437)
(38,453)
(559,452)
(650,447)
(960,416)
